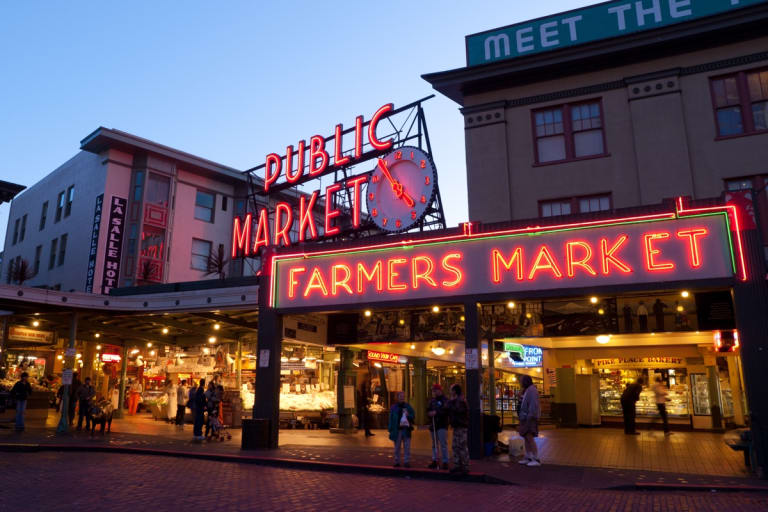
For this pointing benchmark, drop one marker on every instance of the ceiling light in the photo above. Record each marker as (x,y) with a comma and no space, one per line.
(293,359)
(283,359)
(402,322)
(438,351)
(413,346)
(134,351)
(679,309)
(653,334)
(206,351)
(367,312)
(685,294)
(528,315)
(212,339)
(59,357)
(455,372)
(149,344)
(593,300)
(98,347)
(435,309)
(601,311)
(511,305)
(538,370)
(216,326)
(377,365)
(603,339)
(97,335)
(514,379)
(35,323)
(78,356)
(450,351)
(485,356)
(165,330)
(151,352)
(461,318)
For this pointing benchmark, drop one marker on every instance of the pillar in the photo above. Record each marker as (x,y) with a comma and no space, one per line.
(407,381)
(239,364)
(419,401)
(473,378)
(491,375)
(69,364)
(4,345)
(120,412)
(750,299)
(269,344)
(736,390)
(346,379)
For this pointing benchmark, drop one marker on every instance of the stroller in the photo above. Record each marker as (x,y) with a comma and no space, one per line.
(218,431)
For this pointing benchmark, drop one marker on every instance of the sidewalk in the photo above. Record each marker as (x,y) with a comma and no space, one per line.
(571,457)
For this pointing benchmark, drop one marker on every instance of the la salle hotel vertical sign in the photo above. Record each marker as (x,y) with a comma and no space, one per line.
(114,250)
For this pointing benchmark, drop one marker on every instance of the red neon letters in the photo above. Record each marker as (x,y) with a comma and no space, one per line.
(376,143)
(693,239)
(651,252)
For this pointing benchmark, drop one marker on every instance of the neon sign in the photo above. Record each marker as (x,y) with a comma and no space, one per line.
(384,357)
(299,164)
(111,358)
(687,244)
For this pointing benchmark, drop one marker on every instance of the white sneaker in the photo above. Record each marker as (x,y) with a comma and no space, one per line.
(534,463)
(524,461)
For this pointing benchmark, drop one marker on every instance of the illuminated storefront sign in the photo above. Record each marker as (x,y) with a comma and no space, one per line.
(111,358)
(594,23)
(384,357)
(526,356)
(18,333)
(299,164)
(676,246)
(639,362)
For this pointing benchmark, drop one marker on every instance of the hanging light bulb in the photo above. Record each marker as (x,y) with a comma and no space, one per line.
(413,346)
(216,327)
(165,330)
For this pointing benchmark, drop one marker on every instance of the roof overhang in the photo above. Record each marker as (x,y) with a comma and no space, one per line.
(9,190)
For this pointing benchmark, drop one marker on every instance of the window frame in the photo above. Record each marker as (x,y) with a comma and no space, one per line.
(59,206)
(568,132)
(62,249)
(23,231)
(745,103)
(43,215)
(561,201)
(212,208)
(54,253)
(193,254)
(575,203)
(16,231)
(38,258)
(68,200)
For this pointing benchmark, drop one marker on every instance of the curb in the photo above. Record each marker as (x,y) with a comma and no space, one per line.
(642,486)
(331,467)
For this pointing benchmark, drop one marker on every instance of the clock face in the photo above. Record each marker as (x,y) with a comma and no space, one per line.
(401,188)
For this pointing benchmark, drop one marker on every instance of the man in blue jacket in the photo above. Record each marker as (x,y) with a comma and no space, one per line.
(20,392)
(401,418)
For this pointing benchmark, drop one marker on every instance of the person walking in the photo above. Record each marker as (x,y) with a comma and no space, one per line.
(84,396)
(171,393)
(73,389)
(181,403)
(660,392)
(458,412)
(629,399)
(529,414)
(20,392)
(212,407)
(199,410)
(135,394)
(401,418)
(438,428)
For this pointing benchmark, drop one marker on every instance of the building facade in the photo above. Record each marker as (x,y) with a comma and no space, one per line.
(679,110)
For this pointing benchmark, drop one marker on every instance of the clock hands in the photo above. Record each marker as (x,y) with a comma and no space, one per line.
(397,187)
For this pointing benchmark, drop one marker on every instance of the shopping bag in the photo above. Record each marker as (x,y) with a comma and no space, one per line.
(404,419)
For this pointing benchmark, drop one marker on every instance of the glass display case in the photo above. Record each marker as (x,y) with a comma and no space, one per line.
(613,383)
(700,392)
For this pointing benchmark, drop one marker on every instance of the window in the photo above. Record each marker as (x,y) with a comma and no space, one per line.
(23,231)
(62,249)
(204,206)
(201,251)
(568,132)
(223,203)
(157,190)
(741,103)
(38,255)
(59,206)
(70,198)
(554,208)
(594,204)
(43,215)
(138,186)
(16,231)
(52,259)
(738,184)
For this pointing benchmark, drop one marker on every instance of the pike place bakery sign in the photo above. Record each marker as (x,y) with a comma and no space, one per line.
(676,246)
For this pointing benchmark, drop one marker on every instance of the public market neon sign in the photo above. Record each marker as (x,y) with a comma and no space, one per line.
(687,244)
(309,161)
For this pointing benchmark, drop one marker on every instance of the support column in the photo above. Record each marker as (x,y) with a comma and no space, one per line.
(407,381)
(751,302)
(239,364)
(474,379)
(419,402)
(736,391)
(4,346)
(69,364)
(491,375)
(120,412)
(269,344)
(346,377)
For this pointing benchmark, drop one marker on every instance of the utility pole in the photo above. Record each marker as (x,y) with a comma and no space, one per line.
(69,365)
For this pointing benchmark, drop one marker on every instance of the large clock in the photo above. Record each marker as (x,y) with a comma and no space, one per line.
(401,188)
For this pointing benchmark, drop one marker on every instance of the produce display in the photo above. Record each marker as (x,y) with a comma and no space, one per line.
(316,401)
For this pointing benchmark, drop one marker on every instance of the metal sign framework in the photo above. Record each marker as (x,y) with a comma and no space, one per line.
(405,125)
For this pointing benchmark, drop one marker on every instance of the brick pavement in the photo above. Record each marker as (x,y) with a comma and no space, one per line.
(95,481)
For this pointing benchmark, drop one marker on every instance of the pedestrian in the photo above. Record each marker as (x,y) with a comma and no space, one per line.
(135,394)
(642,316)
(212,407)
(629,399)
(363,403)
(181,403)
(84,396)
(73,389)
(529,414)
(401,418)
(199,402)
(458,412)
(438,428)
(660,392)
(658,312)
(20,392)
(171,393)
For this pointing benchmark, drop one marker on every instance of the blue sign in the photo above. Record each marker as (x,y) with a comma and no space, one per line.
(533,358)
(593,23)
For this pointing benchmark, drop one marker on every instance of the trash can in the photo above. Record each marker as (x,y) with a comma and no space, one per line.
(491,429)
(256,434)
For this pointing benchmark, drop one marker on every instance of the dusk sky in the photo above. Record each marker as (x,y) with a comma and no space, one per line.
(233,84)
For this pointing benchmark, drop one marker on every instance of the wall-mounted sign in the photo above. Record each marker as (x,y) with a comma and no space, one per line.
(639,362)
(18,333)
(648,249)
(385,357)
(114,249)
(594,23)
(532,357)
(111,358)
(94,249)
